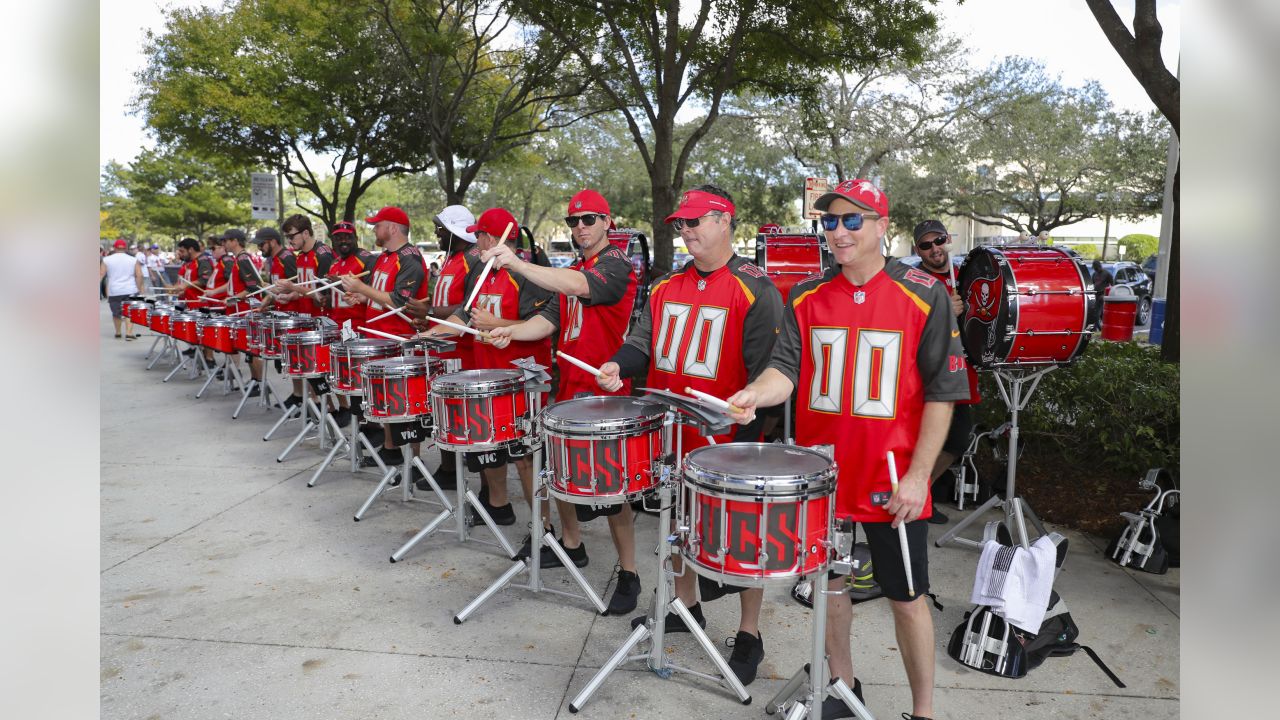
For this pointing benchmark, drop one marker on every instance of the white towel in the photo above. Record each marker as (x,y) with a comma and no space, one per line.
(1016,583)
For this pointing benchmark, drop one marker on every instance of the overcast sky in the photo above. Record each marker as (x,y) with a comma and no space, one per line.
(1061,33)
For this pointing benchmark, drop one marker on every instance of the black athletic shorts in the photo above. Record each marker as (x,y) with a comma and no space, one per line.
(961,426)
(116,303)
(886,558)
(493,458)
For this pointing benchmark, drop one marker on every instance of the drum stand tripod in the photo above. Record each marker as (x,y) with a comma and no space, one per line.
(405,470)
(352,445)
(268,392)
(533,563)
(197,354)
(289,411)
(323,421)
(1016,510)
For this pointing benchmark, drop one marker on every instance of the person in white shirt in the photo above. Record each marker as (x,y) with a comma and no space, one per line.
(123,273)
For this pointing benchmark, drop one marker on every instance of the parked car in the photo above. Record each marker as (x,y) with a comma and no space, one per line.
(1149,267)
(1132,276)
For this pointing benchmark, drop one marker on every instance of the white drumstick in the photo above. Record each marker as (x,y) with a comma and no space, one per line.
(902,529)
(392,311)
(190,283)
(239,313)
(952,267)
(714,401)
(485,273)
(389,336)
(581,365)
(460,328)
(322,288)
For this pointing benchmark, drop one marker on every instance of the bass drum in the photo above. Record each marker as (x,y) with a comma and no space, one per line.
(1025,306)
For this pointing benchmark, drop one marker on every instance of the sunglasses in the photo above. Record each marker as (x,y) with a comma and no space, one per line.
(851,221)
(942,240)
(292,235)
(680,223)
(589,219)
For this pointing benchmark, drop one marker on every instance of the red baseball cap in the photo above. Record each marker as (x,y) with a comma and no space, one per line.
(696,203)
(494,221)
(862,193)
(343,227)
(120,244)
(394,214)
(588,201)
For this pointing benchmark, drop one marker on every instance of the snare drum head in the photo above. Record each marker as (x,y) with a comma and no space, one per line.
(761,469)
(396,367)
(468,382)
(367,347)
(601,413)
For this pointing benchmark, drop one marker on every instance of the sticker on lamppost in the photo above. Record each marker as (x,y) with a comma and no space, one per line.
(262,196)
(814,188)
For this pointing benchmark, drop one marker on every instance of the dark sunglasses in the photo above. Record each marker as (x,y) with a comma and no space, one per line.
(680,223)
(589,219)
(294,234)
(851,221)
(942,240)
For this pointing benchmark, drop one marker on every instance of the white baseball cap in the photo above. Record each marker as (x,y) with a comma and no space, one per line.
(456,219)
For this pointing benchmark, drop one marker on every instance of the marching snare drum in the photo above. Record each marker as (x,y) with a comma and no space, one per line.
(306,354)
(216,334)
(159,320)
(603,450)
(275,328)
(1025,305)
(184,327)
(480,409)
(136,311)
(240,333)
(397,389)
(757,511)
(347,357)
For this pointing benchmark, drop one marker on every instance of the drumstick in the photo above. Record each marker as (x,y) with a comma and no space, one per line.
(461,328)
(902,529)
(392,311)
(389,336)
(335,283)
(190,283)
(240,312)
(581,365)
(485,273)
(714,401)
(952,267)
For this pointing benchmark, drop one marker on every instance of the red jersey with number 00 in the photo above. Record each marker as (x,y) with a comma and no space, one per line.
(400,274)
(450,289)
(312,264)
(591,330)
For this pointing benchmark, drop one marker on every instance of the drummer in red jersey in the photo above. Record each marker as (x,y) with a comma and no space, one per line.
(873,349)
(194,274)
(399,275)
(505,298)
(710,326)
(591,309)
(351,259)
(282,265)
(242,282)
(313,259)
(446,297)
(931,240)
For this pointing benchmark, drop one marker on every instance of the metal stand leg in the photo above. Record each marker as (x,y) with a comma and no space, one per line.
(306,407)
(152,349)
(466,499)
(532,564)
(654,629)
(182,363)
(287,416)
(213,375)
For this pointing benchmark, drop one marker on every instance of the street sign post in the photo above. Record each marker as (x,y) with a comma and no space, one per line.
(262,196)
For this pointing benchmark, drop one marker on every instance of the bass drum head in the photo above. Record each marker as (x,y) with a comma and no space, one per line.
(990,314)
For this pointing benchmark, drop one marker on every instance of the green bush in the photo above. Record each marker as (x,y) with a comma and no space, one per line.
(1138,246)
(1116,408)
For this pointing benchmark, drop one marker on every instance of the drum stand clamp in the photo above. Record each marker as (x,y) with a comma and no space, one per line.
(532,564)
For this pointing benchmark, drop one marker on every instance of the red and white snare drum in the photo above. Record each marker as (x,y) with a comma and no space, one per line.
(159,320)
(603,450)
(136,311)
(184,328)
(1025,305)
(789,258)
(240,333)
(275,328)
(347,357)
(306,354)
(397,389)
(480,409)
(216,334)
(757,511)
(258,327)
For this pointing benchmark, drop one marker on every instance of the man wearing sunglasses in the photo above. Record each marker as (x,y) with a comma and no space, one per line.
(710,326)
(590,309)
(873,349)
(932,239)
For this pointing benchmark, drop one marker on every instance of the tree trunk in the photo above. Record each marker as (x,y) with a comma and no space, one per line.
(1171,347)
(664,195)
(1106,235)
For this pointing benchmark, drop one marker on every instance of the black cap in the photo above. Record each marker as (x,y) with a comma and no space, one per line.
(266,233)
(929,226)
(234,234)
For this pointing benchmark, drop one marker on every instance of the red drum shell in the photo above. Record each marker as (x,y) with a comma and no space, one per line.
(217,337)
(184,328)
(306,354)
(346,359)
(479,409)
(397,389)
(788,259)
(603,450)
(1025,306)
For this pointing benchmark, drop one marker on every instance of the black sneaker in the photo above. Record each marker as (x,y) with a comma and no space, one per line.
(834,708)
(909,716)
(551,560)
(292,400)
(255,391)
(625,594)
(748,651)
(449,482)
(937,518)
(674,623)
(502,515)
(341,416)
(526,547)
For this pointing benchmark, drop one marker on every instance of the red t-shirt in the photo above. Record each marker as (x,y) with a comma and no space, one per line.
(592,328)
(450,289)
(354,264)
(509,296)
(975,396)
(221,273)
(311,265)
(283,265)
(865,360)
(402,274)
(244,276)
(712,333)
(196,271)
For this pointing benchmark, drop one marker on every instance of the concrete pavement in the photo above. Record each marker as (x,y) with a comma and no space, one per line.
(230,589)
